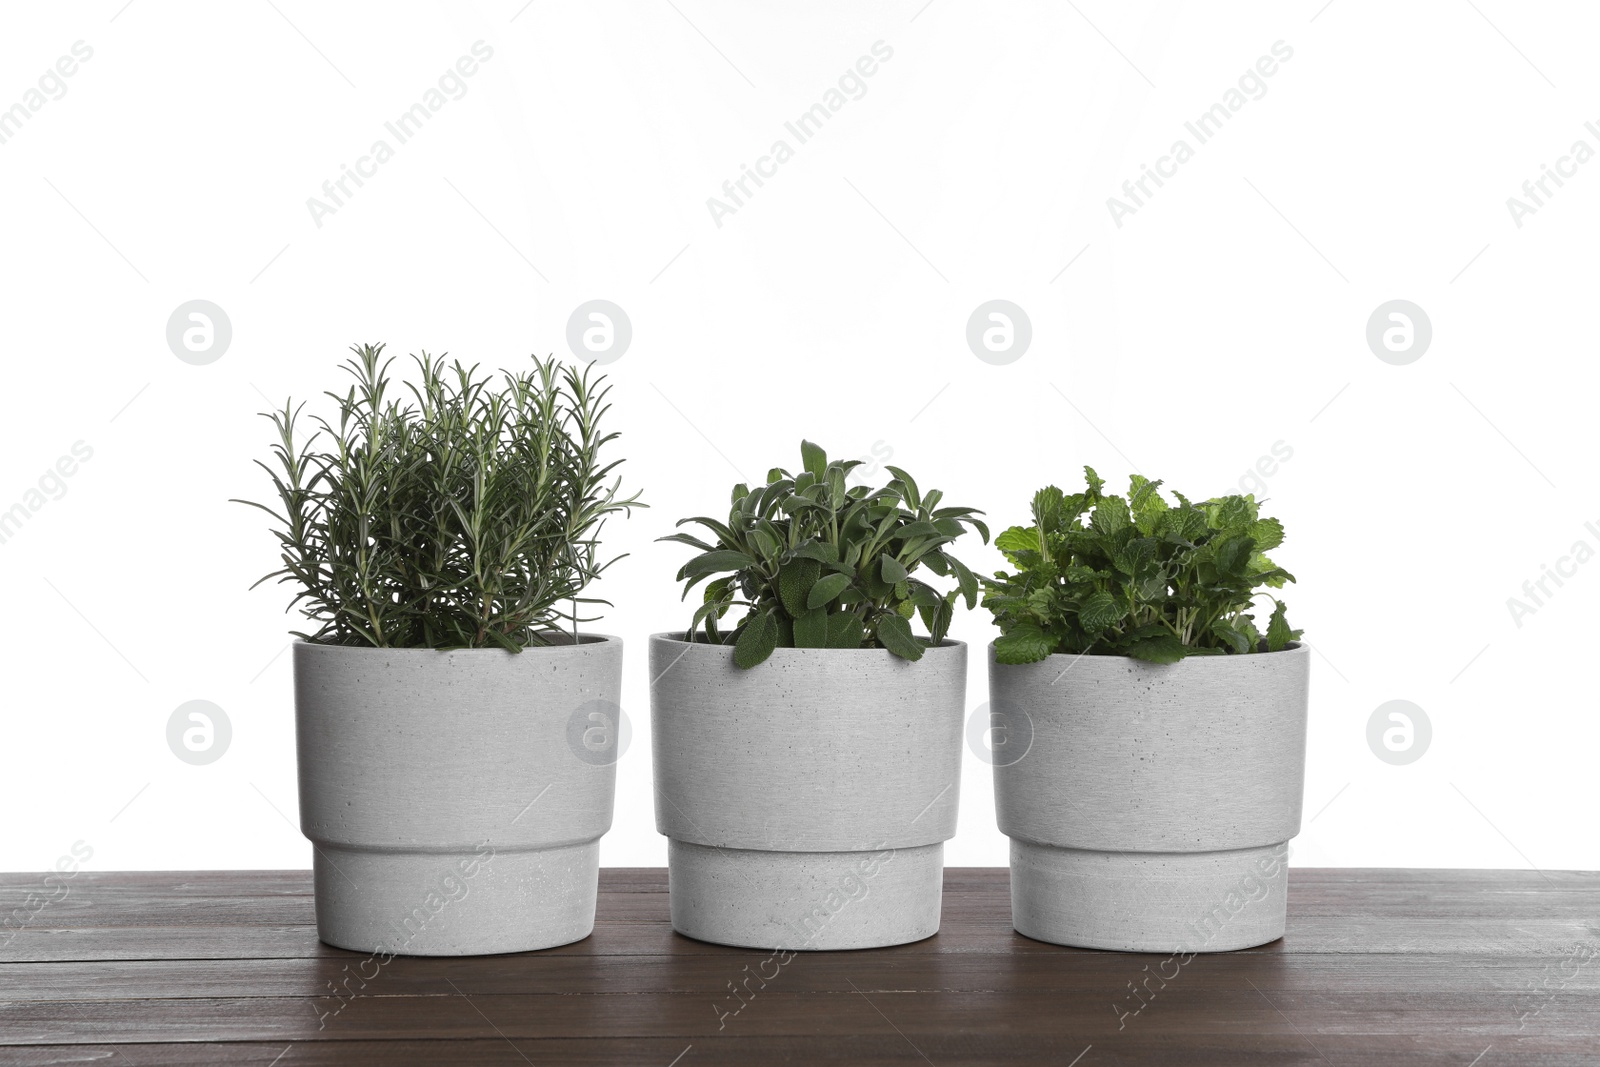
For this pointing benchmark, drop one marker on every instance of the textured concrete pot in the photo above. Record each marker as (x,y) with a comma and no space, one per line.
(1150,806)
(456,799)
(806,801)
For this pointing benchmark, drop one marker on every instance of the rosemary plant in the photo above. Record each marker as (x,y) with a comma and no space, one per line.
(465,515)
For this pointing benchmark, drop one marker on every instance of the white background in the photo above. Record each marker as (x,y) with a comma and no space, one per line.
(1226,315)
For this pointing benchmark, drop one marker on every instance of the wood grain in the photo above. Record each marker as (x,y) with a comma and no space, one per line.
(1378,967)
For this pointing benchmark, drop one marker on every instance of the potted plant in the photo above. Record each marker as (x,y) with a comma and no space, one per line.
(1152,754)
(456,731)
(807,761)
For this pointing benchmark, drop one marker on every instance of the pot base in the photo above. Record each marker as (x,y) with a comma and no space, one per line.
(800,901)
(455,903)
(1149,901)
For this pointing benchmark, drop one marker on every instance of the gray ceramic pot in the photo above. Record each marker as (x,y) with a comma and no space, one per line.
(807,800)
(1150,806)
(456,799)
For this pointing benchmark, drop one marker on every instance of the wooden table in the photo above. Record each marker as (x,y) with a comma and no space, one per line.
(1379,967)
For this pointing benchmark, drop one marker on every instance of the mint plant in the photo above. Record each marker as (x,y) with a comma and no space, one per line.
(466,516)
(821,564)
(1097,573)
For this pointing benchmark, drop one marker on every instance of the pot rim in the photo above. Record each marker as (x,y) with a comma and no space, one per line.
(586,639)
(1294,646)
(676,636)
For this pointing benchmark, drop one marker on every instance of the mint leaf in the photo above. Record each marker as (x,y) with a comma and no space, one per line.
(1024,643)
(1018,539)
(1047,509)
(1267,534)
(1110,515)
(1278,633)
(1098,611)
(1164,648)
(1235,639)
(1098,572)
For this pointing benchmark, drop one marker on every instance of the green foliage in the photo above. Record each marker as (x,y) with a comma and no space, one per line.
(466,516)
(819,563)
(1136,577)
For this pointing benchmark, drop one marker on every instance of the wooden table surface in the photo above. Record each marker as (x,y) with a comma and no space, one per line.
(1380,967)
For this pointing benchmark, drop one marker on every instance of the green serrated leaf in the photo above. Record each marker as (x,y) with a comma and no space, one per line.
(1137,577)
(1232,554)
(1018,539)
(1267,534)
(1025,643)
(1098,611)
(1133,557)
(1162,648)
(1278,633)
(1110,515)
(1046,510)
(1235,639)
(1144,501)
(1231,513)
